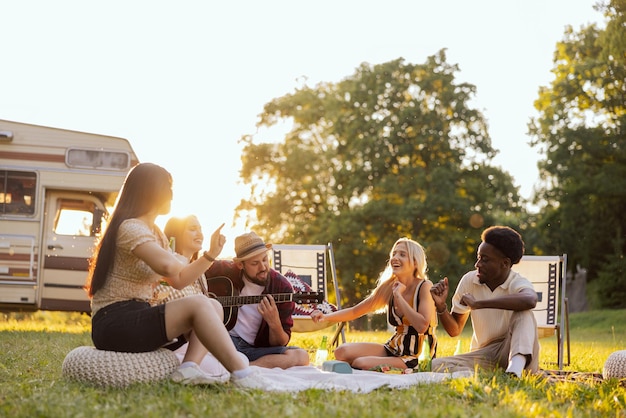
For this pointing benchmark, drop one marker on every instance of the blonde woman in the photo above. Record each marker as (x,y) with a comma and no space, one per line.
(404,289)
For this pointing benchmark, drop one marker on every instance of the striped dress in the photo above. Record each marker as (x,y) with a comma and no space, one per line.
(406,343)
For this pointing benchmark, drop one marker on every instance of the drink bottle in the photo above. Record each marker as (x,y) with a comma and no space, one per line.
(424,359)
(322,352)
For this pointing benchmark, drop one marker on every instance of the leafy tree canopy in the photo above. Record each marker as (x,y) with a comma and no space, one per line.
(393,150)
(580,126)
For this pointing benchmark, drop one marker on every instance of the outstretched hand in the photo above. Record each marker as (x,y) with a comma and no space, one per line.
(317,316)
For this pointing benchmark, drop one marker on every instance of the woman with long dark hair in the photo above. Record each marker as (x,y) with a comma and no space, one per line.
(132,257)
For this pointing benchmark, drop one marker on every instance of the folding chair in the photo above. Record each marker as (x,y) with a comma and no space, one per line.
(308,263)
(547,276)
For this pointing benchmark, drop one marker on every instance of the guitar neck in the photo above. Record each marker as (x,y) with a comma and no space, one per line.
(222,289)
(248,300)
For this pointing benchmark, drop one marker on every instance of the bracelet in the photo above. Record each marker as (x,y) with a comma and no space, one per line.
(442,312)
(207,256)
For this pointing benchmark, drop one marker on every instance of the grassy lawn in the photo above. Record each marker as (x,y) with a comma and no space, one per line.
(33,346)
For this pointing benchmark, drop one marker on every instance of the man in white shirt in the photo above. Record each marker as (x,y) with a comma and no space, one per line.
(500,302)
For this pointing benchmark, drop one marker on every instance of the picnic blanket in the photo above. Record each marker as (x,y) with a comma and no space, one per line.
(299,378)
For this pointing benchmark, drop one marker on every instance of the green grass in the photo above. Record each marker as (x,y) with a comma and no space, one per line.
(33,346)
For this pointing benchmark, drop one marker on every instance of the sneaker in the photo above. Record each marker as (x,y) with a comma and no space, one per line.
(253,381)
(192,375)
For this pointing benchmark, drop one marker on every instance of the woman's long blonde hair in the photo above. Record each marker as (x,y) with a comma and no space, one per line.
(417,255)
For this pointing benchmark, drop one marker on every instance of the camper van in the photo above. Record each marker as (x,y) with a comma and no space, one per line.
(56,188)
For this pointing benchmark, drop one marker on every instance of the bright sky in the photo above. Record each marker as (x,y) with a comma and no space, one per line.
(183,81)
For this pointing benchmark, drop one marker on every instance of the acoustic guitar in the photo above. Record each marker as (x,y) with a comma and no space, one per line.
(222,289)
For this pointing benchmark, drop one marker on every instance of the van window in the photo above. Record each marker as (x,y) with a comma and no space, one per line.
(104,160)
(17,192)
(78,217)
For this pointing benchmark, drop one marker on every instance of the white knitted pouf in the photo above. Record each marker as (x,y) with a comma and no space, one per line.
(111,368)
(615,365)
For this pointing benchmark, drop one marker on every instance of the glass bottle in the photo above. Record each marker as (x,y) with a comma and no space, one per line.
(425,359)
(322,352)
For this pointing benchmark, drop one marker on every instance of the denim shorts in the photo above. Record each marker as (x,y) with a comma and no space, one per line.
(131,326)
(254,353)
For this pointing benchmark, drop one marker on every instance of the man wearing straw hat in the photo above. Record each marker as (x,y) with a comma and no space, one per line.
(262,330)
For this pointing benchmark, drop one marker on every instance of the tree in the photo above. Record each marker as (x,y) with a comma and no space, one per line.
(581,128)
(609,290)
(393,150)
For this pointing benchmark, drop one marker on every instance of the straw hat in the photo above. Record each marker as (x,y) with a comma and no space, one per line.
(249,245)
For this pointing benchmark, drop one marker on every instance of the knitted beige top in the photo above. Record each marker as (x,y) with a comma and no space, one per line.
(130,277)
